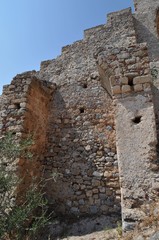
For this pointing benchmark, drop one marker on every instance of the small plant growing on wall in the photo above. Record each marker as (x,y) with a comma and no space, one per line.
(154,73)
(19,219)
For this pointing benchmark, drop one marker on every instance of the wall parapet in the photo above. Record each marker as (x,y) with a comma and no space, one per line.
(16,105)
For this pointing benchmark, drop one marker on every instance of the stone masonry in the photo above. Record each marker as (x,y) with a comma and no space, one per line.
(135,128)
(94,116)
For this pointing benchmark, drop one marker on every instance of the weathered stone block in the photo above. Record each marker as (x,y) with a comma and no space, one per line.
(93,209)
(97,174)
(142,79)
(89,193)
(23,104)
(116,90)
(138,88)
(124,80)
(126,89)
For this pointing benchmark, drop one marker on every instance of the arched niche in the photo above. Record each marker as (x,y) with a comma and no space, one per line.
(105,75)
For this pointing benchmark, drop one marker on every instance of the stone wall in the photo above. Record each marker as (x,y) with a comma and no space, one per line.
(81,133)
(24,112)
(82,151)
(105,75)
(131,85)
(82,147)
(146,25)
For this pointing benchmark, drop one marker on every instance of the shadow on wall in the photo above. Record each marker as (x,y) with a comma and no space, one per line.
(144,35)
(156,106)
(85,174)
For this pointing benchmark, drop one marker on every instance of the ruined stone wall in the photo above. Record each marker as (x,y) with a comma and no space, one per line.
(77,132)
(82,151)
(82,147)
(73,124)
(24,112)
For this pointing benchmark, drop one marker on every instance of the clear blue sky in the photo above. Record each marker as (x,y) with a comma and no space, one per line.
(35,30)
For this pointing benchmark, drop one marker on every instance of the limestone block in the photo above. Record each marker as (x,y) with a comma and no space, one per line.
(89,193)
(135,66)
(107,174)
(19,100)
(11,87)
(91,200)
(124,80)
(97,174)
(123,55)
(126,89)
(12,107)
(142,79)
(138,88)
(130,61)
(81,202)
(102,189)
(104,208)
(131,74)
(116,90)
(95,182)
(108,164)
(23,104)
(109,159)
(111,154)
(93,209)
(74,210)
(155,185)
(88,148)
(95,191)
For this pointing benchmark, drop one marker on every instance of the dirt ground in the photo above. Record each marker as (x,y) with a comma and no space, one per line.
(95,228)
(102,235)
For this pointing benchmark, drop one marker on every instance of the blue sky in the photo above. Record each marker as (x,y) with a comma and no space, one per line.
(35,30)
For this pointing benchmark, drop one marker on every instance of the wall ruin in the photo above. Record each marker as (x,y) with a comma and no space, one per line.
(106,75)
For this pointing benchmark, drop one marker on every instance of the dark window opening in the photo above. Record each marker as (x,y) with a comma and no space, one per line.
(17,105)
(130,82)
(137,120)
(85,85)
(81,110)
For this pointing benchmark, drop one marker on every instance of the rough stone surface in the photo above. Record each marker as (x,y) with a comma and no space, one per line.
(94,114)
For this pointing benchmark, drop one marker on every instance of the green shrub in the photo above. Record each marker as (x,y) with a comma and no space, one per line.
(154,73)
(19,219)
